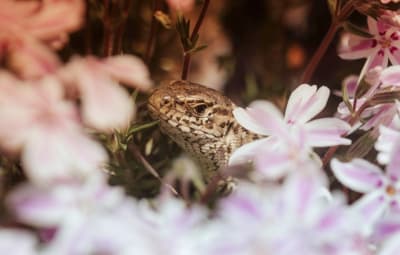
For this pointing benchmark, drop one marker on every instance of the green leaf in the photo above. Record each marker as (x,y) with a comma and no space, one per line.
(357,30)
(361,146)
(385,97)
(346,99)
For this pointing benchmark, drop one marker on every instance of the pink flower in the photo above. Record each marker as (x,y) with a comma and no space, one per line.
(88,219)
(20,242)
(181,5)
(290,137)
(383,47)
(388,1)
(37,122)
(381,189)
(105,104)
(291,219)
(28,28)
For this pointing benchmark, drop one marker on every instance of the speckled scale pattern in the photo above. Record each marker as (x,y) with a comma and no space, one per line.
(199,120)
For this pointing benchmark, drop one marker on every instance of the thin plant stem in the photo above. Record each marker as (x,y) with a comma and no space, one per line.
(153,33)
(136,152)
(108,38)
(324,45)
(187,56)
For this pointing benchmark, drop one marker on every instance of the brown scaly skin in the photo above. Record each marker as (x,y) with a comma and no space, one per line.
(199,120)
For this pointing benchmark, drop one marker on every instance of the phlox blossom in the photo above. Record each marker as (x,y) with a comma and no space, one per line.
(291,219)
(290,138)
(384,46)
(106,106)
(38,123)
(381,189)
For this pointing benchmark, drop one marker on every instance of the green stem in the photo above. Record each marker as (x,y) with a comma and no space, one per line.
(195,32)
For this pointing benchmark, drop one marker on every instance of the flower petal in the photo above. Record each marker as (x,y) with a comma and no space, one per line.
(377,58)
(359,175)
(371,208)
(327,132)
(248,151)
(393,168)
(355,47)
(54,156)
(391,246)
(261,117)
(305,102)
(391,75)
(128,69)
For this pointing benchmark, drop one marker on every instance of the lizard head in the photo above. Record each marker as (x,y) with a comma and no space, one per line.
(190,110)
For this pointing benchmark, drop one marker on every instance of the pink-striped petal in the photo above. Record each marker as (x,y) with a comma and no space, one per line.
(373,26)
(305,102)
(359,175)
(393,168)
(355,47)
(378,57)
(371,208)
(273,164)
(391,76)
(327,132)
(261,117)
(248,151)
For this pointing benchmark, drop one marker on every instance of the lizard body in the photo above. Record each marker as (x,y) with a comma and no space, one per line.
(199,120)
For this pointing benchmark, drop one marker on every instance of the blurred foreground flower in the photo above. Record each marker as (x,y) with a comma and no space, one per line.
(290,137)
(181,5)
(382,47)
(29,29)
(39,123)
(292,219)
(19,242)
(105,104)
(381,189)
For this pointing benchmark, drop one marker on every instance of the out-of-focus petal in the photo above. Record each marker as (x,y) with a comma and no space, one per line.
(355,47)
(386,143)
(129,70)
(105,105)
(371,208)
(40,207)
(327,132)
(273,164)
(391,75)
(393,168)
(181,5)
(305,102)
(247,152)
(261,117)
(54,156)
(359,175)
(17,242)
(300,192)
(55,17)
(31,59)
(391,246)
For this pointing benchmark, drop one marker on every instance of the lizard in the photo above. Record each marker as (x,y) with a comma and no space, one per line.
(200,120)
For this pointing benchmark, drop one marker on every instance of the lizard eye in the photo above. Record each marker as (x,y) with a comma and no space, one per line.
(166,100)
(200,108)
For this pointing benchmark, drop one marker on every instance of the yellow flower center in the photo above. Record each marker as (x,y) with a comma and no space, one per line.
(390,190)
(385,43)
